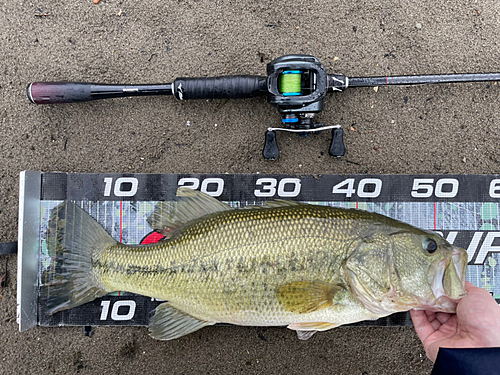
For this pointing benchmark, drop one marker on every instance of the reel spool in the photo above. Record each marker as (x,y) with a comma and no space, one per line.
(291,83)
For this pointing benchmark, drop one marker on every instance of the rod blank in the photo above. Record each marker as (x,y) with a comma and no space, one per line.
(423,79)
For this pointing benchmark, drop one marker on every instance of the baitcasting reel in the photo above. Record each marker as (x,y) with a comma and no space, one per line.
(296,85)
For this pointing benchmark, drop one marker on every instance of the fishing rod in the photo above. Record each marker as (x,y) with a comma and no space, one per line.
(295,84)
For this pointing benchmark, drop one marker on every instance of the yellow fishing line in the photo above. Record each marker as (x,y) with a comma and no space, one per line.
(290,82)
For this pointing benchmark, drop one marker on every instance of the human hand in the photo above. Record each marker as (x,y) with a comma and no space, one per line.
(475,324)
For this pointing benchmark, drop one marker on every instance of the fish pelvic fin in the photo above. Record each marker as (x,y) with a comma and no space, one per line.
(76,241)
(304,297)
(169,323)
(191,205)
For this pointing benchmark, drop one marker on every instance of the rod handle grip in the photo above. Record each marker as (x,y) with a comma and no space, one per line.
(58,92)
(227,87)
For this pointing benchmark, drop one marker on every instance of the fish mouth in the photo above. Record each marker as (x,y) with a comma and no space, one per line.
(447,281)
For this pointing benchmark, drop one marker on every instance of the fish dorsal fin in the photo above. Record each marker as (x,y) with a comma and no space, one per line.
(274,204)
(191,205)
(281,203)
(168,323)
(304,297)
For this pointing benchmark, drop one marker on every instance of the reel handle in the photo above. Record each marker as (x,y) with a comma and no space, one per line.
(271,150)
(337,147)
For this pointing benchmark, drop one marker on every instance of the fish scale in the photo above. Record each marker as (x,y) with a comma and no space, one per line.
(309,267)
(206,267)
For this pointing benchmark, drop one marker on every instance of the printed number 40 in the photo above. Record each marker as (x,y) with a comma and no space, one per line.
(347,188)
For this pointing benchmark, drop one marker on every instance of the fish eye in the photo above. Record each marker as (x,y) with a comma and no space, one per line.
(429,245)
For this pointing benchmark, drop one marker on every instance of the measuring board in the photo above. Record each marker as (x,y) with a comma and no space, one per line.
(463,208)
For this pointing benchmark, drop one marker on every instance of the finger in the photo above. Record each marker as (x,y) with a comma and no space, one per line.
(432,351)
(477,301)
(450,328)
(422,325)
(476,291)
(469,286)
(431,315)
(435,324)
(443,317)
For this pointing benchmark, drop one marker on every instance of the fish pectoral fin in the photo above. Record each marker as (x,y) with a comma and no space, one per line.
(191,205)
(168,323)
(307,296)
(306,330)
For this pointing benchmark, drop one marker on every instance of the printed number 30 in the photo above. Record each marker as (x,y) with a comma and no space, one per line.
(287,187)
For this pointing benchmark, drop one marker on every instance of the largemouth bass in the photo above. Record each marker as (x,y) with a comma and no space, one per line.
(308,267)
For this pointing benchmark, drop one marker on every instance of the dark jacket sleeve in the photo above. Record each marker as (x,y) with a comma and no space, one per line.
(469,361)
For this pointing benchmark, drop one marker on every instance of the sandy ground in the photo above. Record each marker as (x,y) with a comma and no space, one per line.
(425,129)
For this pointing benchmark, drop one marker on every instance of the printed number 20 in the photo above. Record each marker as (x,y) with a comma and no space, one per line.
(207,185)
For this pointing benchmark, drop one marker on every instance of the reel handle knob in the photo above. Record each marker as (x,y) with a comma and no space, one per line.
(337,148)
(271,150)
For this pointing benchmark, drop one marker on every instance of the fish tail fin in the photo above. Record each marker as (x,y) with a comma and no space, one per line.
(76,241)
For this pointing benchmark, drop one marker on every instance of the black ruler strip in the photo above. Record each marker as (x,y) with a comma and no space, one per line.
(8,248)
(257,187)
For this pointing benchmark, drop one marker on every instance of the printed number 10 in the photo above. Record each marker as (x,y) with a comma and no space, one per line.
(128,307)
(123,186)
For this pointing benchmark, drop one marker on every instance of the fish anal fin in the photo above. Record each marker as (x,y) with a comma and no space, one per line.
(306,330)
(304,297)
(191,205)
(168,323)
(305,335)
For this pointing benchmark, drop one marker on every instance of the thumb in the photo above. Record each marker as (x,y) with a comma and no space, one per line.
(431,351)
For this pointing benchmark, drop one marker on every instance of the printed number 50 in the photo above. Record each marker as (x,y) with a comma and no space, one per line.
(425,188)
